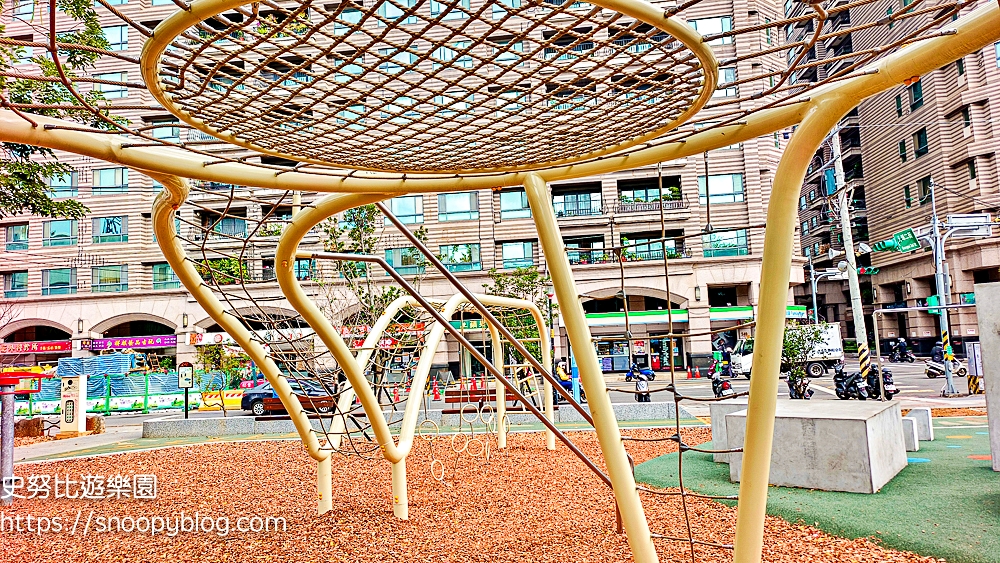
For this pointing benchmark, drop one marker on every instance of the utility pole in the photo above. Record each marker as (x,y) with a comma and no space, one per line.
(857,309)
(941,287)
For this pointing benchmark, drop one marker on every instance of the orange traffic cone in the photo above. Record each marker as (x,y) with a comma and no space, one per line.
(689,373)
(437,392)
(697,373)
(395,394)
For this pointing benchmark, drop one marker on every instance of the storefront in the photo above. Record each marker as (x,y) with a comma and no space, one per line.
(648,347)
(152,352)
(46,352)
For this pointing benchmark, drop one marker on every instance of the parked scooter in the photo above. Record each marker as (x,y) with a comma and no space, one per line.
(634,371)
(721,387)
(933,369)
(887,384)
(894,357)
(849,385)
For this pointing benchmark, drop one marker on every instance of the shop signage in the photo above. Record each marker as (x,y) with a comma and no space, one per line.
(163,341)
(206,338)
(10,348)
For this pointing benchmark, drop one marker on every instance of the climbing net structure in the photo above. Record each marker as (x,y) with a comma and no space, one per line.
(366,100)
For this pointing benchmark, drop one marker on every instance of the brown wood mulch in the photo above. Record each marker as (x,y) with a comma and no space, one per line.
(523,504)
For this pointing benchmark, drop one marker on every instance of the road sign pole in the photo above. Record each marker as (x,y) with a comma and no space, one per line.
(939,282)
(857,309)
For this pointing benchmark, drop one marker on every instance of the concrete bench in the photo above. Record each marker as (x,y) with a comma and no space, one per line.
(910,440)
(851,446)
(718,411)
(922,418)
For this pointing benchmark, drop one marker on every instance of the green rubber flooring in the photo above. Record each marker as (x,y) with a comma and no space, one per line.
(945,503)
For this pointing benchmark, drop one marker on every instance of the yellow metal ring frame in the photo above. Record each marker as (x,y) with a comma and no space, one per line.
(815,117)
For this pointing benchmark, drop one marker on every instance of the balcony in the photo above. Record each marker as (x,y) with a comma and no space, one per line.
(624,207)
(569,210)
(602,256)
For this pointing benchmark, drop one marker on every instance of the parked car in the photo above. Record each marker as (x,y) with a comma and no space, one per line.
(253,399)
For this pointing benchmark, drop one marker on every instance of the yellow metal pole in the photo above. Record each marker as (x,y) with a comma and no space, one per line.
(324,484)
(501,412)
(605,423)
(782,215)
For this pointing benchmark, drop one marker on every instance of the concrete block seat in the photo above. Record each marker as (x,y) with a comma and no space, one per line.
(851,446)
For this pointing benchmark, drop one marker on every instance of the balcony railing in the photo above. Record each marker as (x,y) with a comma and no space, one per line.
(562,210)
(601,256)
(647,206)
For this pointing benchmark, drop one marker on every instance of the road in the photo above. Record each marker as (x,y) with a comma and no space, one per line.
(915,390)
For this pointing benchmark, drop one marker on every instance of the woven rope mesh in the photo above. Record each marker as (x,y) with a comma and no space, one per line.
(425,85)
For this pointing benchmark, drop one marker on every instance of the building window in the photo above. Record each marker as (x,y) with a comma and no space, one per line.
(59,281)
(445,55)
(63,185)
(24,10)
(712,26)
(117,36)
(960,65)
(344,22)
(390,11)
(406,261)
(15,284)
(109,279)
(112,91)
(393,60)
(802,202)
(577,204)
(925,189)
(648,246)
(996,49)
(164,277)
(966,117)
(517,254)
(767,30)
(166,130)
(722,188)
(727,76)
(902,151)
(304,268)
(451,13)
(499,11)
(461,206)
(726,243)
(229,227)
(586,250)
(907,198)
(17,237)
(899,105)
(110,229)
(409,209)
(461,257)
(920,143)
(972,169)
(61,232)
(916,93)
(514,205)
(110,181)
(805,228)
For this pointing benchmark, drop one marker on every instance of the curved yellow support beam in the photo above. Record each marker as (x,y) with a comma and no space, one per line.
(175,192)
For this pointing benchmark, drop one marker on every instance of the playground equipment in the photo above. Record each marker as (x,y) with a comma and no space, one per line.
(378,99)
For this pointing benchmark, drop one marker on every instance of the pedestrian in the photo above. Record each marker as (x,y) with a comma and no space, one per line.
(565,379)
(642,387)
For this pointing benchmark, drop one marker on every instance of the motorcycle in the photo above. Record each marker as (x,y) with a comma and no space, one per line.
(887,384)
(933,369)
(850,385)
(721,387)
(634,371)
(894,357)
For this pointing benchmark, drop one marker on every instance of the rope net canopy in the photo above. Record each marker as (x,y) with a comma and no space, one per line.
(424,85)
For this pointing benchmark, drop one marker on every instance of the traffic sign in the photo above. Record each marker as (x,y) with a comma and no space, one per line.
(906,240)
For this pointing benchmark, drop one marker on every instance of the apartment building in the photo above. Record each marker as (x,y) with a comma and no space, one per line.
(819,218)
(100,282)
(931,143)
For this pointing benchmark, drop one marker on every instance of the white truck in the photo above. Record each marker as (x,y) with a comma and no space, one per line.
(827,352)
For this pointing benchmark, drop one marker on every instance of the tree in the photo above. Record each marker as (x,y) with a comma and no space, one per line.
(799,341)
(523,283)
(215,359)
(25,170)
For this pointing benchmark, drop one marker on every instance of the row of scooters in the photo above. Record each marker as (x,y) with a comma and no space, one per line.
(932,368)
(854,386)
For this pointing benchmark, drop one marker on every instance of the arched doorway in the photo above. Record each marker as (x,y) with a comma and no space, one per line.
(35,342)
